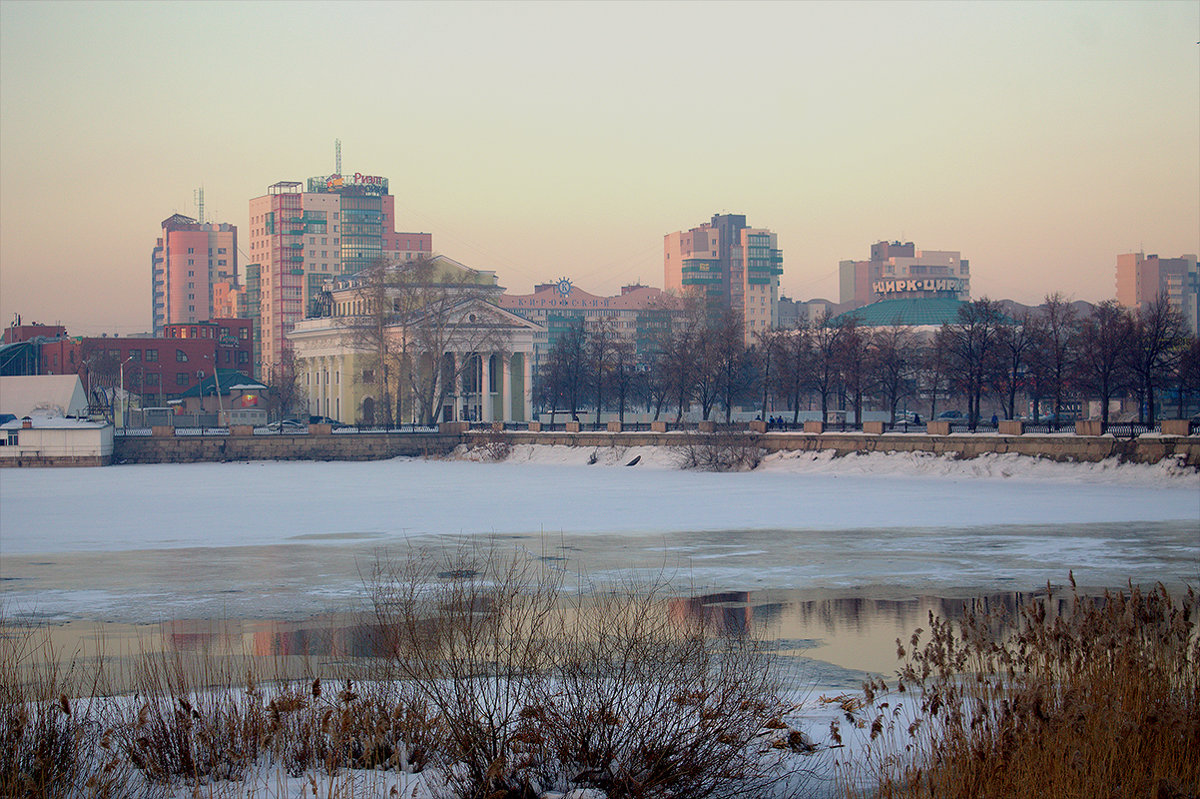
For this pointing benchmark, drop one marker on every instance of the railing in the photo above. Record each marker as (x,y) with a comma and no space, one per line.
(1116,429)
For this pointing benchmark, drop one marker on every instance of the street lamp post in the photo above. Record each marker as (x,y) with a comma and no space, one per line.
(123,399)
(217,383)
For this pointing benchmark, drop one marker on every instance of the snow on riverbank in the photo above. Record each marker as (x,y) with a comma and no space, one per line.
(908,464)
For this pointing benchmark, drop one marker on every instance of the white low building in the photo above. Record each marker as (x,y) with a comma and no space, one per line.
(55,441)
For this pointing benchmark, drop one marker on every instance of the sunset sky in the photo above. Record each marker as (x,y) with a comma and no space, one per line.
(565,139)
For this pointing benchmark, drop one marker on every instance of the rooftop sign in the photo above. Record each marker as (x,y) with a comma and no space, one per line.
(904,286)
(335,183)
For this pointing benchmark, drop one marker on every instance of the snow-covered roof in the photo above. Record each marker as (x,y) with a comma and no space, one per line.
(63,394)
(57,422)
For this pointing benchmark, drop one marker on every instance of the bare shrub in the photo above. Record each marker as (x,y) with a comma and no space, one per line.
(1091,697)
(720,451)
(646,704)
(472,643)
(533,691)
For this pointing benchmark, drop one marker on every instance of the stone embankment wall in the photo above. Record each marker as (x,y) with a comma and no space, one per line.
(30,460)
(169,448)
(357,447)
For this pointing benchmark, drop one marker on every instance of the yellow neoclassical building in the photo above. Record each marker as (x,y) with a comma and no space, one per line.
(415,343)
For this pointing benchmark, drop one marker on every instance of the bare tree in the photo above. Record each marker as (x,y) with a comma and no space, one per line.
(730,365)
(1158,334)
(1015,342)
(935,364)
(561,377)
(623,377)
(826,345)
(682,351)
(379,307)
(893,362)
(851,357)
(601,339)
(286,392)
(1100,367)
(972,342)
(768,346)
(1186,375)
(1060,330)
(795,365)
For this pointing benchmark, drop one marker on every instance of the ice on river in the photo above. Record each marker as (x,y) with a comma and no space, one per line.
(293,535)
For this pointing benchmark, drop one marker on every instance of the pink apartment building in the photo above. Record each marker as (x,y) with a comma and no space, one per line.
(302,235)
(188,260)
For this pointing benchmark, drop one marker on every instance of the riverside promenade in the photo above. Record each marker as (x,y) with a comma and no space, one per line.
(320,442)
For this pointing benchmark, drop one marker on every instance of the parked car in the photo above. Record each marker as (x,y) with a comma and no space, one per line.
(948,415)
(287,426)
(334,423)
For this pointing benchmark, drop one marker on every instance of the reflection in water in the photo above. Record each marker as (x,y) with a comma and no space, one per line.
(853,633)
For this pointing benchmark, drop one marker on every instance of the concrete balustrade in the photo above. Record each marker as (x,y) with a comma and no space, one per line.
(937,428)
(873,428)
(814,427)
(1012,428)
(1175,427)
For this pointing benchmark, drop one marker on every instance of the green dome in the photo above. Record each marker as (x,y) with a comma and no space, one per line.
(914,312)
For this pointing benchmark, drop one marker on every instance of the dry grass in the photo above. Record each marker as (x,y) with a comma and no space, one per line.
(1089,697)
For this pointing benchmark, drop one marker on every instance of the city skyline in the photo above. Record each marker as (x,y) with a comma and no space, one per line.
(542,140)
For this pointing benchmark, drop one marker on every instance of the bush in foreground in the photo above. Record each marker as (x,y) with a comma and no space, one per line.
(605,691)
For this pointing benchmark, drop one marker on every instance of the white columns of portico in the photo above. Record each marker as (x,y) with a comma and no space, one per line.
(486,387)
(506,389)
(527,384)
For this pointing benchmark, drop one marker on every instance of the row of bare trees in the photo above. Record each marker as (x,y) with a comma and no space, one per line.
(1052,356)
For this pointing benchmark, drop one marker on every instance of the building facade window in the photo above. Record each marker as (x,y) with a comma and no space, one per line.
(181,356)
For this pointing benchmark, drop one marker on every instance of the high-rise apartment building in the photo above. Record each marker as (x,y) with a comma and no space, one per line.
(188,260)
(302,235)
(901,271)
(734,265)
(1141,279)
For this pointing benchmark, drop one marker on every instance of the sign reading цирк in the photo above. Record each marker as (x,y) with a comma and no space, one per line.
(919,284)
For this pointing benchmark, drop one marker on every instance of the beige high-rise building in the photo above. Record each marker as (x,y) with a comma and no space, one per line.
(1141,279)
(734,265)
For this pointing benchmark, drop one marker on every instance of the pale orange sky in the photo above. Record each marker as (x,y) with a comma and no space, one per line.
(565,139)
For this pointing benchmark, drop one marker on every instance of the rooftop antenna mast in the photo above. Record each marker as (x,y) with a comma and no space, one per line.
(199,198)
(337,149)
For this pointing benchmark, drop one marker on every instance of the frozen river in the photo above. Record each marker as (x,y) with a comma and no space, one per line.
(286,541)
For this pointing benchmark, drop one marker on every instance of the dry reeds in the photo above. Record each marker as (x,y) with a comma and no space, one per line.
(1088,697)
